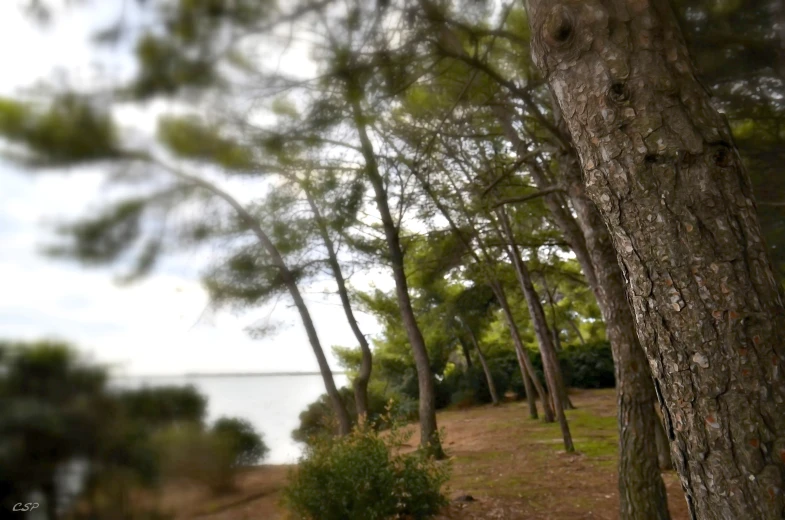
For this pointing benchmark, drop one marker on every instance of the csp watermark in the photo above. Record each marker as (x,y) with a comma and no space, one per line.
(26,507)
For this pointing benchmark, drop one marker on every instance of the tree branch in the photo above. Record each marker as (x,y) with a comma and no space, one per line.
(526,198)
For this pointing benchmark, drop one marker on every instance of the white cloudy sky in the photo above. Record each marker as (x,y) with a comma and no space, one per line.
(154,327)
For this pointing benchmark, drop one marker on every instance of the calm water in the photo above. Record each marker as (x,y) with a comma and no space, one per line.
(271,403)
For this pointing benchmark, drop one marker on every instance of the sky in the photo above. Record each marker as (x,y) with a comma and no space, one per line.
(157,326)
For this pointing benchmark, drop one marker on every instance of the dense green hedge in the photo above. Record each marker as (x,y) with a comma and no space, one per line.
(470,386)
(583,366)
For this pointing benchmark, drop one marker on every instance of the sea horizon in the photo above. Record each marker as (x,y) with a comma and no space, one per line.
(223,374)
(270,401)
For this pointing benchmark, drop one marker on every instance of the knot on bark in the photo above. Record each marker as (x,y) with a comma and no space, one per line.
(558,29)
(618,92)
(721,155)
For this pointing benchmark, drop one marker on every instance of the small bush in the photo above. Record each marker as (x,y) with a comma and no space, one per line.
(364,477)
(318,420)
(247,445)
(190,453)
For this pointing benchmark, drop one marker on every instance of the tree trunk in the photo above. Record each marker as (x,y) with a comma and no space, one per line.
(550,362)
(556,340)
(660,165)
(364,375)
(663,449)
(527,369)
(554,320)
(344,422)
(487,268)
(429,433)
(641,489)
(49,491)
(466,355)
(486,370)
(577,331)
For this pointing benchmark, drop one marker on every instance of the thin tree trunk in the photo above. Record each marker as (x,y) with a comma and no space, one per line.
(344,422)
(554,321)
(485,368)
(550,362)
(486,267)
(577,331)
(364,375)
(660,165)
(641,489)
(466,354)
(429,433)
(527,368)
(49,490)
(556,340)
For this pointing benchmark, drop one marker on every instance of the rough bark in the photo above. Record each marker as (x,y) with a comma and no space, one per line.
(485,368)
(641,488)
(364,374)
(429,433)
(550,362)
(289,280)
(660,164)
(527,368)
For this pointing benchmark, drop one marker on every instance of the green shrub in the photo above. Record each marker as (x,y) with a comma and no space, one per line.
(165,405)
(409,387)
(363,476)
(591,365)
(247,445)
(188,452)
(583,366)
(319,420)
(470,387)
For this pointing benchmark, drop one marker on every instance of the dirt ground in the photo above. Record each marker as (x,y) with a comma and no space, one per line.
(513,467)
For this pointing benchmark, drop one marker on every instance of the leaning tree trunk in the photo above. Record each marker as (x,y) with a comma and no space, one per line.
(485,368)
(364,375)
(429,433)
(550,362)
(641,489)
(289,280)
(466,355)
(487,268)
(660,164)
(527,368)
(556,337)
